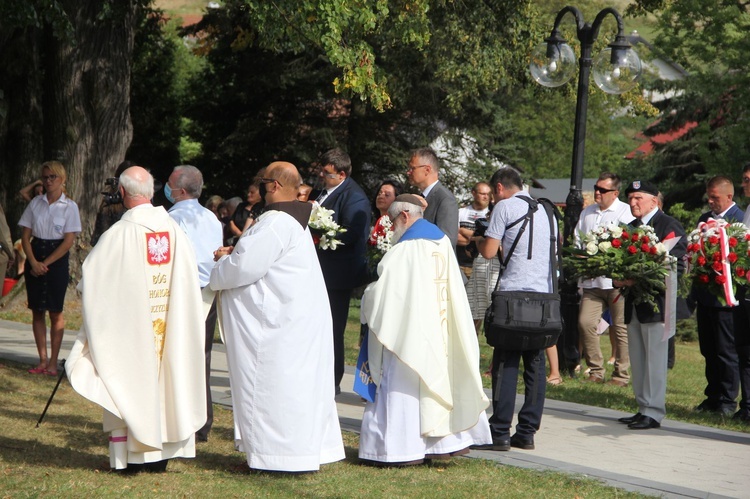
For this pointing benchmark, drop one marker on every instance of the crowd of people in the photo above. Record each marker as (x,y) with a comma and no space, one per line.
(284,302)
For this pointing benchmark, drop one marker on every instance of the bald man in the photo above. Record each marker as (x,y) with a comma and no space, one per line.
(139,354)
(715,321)
(277,325)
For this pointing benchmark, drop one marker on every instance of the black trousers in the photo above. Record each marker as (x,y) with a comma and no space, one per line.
(339,300)
(505,366)
(716,339)
(742,344)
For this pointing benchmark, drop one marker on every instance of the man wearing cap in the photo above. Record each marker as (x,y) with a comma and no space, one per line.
(646,335)
(423,353)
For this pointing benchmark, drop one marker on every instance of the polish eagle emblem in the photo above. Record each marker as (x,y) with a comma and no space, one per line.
(157,244)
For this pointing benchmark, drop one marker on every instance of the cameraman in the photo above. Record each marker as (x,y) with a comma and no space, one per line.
(111,208)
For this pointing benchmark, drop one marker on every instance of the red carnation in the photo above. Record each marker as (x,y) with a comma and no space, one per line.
(703,278)
(645,248)
(740,272)
(717,266)
(635,238)
(616,243)
(716,256)
(732,257)
(720,279)
(625,236)
(732,242)
(632,249)
(747,236)
(713,240)
(701,260)
(645,240)
(653,250)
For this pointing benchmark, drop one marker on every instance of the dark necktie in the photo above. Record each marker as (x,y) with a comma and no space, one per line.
(637,222)
(322,196)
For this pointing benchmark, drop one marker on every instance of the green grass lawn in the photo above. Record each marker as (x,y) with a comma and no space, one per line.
(685,382)
(67,456)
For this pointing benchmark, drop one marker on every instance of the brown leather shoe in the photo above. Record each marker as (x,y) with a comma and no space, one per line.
(594,379)
(617,382)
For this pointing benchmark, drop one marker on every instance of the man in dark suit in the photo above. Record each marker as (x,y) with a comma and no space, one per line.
(646,341)
(344,268)
(742,325)
(442,207)
(715,321)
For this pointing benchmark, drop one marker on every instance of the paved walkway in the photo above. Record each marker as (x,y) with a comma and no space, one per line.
(677,460)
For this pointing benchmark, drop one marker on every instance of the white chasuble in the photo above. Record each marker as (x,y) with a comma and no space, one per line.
(140,351)
(423,355)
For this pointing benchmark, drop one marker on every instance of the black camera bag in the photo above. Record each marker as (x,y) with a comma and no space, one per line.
(526,320)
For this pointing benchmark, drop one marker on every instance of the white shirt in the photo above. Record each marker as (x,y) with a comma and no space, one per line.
(327,191)
(592,217)
(51,221)
(204,231)
(429,188)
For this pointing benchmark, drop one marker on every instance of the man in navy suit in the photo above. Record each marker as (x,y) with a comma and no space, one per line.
(442,207)
(344,268)
(715,321)
(646,342)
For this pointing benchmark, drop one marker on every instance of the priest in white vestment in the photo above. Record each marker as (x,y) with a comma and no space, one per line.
(277,328)
(139,353)
(422,350)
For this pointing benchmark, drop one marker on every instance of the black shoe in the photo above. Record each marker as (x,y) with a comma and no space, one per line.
(630,419)
(338,390)
(498,444)
(726,411)
(526,443)
(706,406)
(742,416)
(644,423)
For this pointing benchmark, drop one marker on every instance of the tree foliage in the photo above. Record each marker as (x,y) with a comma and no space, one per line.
(709,39)
(283,88)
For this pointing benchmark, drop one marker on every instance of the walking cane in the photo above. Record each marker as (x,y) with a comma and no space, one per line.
(59,379)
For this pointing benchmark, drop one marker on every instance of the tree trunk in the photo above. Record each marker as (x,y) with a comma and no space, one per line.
(67,98)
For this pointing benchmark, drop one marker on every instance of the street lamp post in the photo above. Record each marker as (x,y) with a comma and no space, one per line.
(616,70)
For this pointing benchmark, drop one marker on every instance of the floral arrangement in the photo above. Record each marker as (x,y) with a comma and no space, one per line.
(324,228)
(624,252)
(379,243)
(718,258)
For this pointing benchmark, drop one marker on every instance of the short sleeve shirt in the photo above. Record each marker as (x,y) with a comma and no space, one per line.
(51,221)
(522,273)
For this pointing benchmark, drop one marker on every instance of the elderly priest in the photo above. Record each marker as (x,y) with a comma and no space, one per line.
(422,350)
(139,354)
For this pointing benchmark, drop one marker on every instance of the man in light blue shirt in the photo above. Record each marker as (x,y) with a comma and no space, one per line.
(205,234)
(527,270)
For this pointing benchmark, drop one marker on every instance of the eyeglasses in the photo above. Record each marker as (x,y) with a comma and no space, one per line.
(393,220)
(602,190)
(269,180)
(410,168)
(745,180)
(50,178)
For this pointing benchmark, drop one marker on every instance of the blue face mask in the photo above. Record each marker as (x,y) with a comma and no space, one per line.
(168,193)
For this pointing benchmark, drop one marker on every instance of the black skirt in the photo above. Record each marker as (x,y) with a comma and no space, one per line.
(47,292)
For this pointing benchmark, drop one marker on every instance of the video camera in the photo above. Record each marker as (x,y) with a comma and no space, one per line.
(112,194)
(480,226)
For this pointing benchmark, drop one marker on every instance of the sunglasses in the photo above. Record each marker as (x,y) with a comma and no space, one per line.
(602,190)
